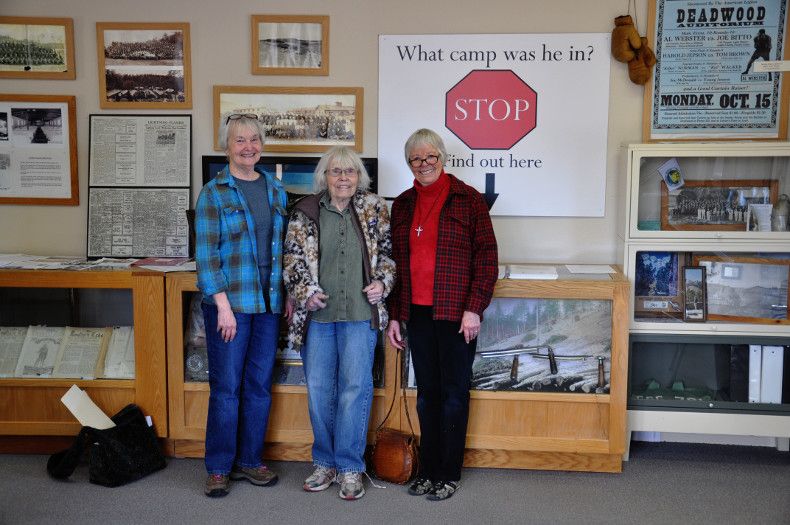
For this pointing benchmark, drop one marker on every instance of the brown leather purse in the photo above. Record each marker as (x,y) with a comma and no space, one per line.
(395,457)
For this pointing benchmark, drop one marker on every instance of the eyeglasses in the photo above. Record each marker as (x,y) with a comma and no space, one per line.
(336,172)
(430,160)
(237,116)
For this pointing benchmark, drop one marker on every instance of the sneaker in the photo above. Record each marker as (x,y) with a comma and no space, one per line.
(261,476)
(442,490)
(351,486)
(420,487)
(216,485)
(320,479)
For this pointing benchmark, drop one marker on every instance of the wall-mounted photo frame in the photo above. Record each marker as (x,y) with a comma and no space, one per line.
(714,205)
(695,309)
(144,65)
(657,284)
(296,119)
(296,173)
(38,150)
(746,288)
(37,48)
(709,82)
(290,45)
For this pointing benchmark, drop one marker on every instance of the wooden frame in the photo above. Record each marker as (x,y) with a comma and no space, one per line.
(139,76)
(724,222)
(278,33)
(695,297)
(737,289)
(667,304)
(56,35)
(724,40)
(57,113)
(300,117)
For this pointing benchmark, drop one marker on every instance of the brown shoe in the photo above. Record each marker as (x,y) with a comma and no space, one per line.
(261,476)
(216,485)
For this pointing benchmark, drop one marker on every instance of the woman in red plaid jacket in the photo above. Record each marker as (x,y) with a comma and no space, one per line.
(446,256)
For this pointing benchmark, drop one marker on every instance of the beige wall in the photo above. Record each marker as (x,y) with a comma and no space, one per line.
(220,33)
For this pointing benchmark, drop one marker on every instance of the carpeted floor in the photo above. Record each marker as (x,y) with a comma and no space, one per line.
(664,483)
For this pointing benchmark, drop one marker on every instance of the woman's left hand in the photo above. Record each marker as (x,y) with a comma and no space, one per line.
(374,291)
(470,326)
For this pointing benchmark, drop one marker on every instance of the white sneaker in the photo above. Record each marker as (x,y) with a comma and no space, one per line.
(320,479)
(351,486)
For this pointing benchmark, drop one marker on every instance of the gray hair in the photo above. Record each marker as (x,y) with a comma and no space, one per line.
(244,121)
(342,157)
(425,137)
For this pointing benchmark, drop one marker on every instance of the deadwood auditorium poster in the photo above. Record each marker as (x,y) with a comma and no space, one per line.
(705,82)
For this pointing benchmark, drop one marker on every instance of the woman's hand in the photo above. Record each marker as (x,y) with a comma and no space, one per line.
(470,326)
(393,334)
(374,291)
(226,321)
(290,306)
(316,301)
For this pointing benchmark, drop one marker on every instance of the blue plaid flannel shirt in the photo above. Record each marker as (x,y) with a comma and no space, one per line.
(226,253)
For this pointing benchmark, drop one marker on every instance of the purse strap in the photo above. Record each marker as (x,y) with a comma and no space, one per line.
(402,396)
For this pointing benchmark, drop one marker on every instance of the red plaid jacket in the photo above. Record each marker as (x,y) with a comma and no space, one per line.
(466,255)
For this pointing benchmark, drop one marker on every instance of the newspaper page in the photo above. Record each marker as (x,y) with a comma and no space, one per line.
(34,150)
(125,222)
(81,352)
(144,150)
(119,363)
(39,351)
(11,340)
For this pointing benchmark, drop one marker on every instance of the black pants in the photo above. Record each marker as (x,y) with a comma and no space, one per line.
(443,368)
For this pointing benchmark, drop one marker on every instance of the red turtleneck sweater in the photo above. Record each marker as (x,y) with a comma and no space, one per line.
(422,244)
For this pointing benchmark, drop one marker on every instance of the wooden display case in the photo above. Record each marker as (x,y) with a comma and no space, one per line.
(289,436)
(555,430)
(32,407)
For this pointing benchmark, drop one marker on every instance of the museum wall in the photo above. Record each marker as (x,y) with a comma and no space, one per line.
(220,38)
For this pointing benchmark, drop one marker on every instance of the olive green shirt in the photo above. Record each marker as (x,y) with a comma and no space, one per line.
(340,266)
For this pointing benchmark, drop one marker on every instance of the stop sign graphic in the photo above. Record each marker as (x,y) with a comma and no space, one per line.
(491,109)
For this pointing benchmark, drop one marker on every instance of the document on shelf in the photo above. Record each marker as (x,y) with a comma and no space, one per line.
(531,271)
(85,410)
(119,363)
(590,268)
(39,351)
(81,353)
(11,340)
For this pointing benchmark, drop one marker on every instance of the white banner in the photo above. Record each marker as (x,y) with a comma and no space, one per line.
(524,117)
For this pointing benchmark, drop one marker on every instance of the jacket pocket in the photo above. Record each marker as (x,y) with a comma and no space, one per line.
(235,220)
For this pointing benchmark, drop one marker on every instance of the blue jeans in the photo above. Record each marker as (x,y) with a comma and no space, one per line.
(338,366)
(240,377)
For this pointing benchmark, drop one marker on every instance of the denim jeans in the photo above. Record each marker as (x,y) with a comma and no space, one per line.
(338,366)
(240,377)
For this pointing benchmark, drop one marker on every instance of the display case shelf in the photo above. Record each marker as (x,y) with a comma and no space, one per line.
(32,406)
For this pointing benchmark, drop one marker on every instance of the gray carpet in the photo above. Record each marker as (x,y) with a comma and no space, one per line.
(664,483)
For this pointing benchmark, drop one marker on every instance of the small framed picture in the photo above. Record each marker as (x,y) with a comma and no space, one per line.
(37,48)
(694,294)
(144,65)
(290,45)
(657,284)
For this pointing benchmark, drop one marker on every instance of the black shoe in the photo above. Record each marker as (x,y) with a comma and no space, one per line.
(442,490)
(420,487)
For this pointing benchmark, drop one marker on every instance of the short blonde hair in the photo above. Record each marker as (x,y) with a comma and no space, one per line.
(343,157)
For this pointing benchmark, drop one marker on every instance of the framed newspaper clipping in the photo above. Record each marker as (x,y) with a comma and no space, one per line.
(714,78)
(38,150)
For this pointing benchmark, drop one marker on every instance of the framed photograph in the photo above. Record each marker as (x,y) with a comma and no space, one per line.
(140,150)
(296,173)
(657,285)
(290,45)
(144,65)
(694,294)
(714,205)
(296,119)
(37,48)
(746,288)
(38,150)
(711,80)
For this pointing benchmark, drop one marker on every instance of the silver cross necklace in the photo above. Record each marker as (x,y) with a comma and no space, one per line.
(419,228)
